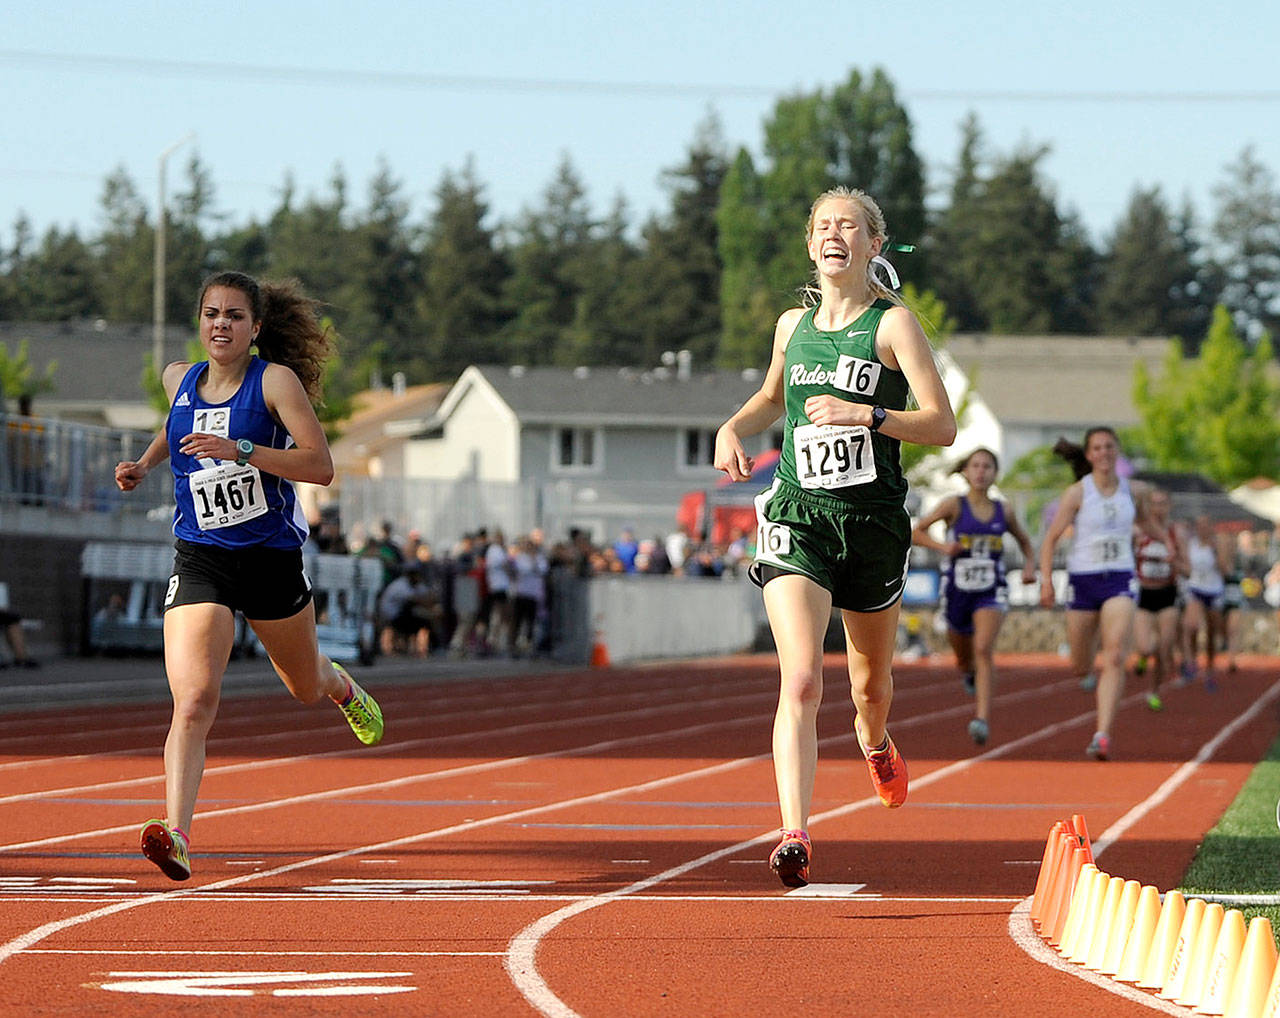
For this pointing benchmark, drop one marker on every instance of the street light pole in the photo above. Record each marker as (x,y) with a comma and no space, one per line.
(158,284)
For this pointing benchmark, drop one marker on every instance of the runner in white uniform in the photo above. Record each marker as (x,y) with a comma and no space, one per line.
(1103,508)
(1205,590)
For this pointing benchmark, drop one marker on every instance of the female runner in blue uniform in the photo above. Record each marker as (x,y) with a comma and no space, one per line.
(833,530)
(241,427)
(974,598)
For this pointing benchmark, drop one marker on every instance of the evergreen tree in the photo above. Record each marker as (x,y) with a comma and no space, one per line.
(125,252)
(603,329)
(1009,258)
(1149,272)
(188,257)
(951,256)
(58,283)
(542,290)
(746,305)
(1246,229)
(459,306)
(384,274)
(15,272)
(672,292)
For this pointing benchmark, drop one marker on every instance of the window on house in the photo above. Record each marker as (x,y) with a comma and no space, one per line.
(576,448)
(699,447)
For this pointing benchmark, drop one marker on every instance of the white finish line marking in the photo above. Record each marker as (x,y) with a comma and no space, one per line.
(827,891)
(244,984)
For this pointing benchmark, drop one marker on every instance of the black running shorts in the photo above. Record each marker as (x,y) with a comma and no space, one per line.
(263,583)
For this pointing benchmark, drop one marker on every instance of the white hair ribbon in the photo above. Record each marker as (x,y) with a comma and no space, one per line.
(893,275)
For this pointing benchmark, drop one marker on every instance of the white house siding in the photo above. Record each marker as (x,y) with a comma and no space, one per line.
(478,440)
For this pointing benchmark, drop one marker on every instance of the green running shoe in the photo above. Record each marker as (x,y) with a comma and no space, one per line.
(362,711)
(166,847)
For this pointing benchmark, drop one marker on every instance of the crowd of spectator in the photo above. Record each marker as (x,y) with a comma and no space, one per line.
(491,595)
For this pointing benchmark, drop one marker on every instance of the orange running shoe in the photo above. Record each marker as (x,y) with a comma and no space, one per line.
(888,769)
(790,860)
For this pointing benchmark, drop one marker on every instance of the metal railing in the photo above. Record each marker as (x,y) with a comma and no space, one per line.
(70,466)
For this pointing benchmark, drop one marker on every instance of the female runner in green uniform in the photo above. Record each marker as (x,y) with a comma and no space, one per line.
(833,529)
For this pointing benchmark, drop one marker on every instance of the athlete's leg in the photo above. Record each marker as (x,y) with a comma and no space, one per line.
(197,645)
(962,646)
(1166,646)
(1115,629)
(799,612)
(291,645)
(869,637)
(1082,632)
(1193,620)
(986,628)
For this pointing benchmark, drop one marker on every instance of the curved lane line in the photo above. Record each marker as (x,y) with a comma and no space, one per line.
(1020,929)
(35,936)
(521,958)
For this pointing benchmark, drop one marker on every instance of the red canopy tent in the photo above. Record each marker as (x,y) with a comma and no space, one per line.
(712,514)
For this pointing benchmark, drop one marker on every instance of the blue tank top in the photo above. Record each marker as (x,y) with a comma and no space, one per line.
(217,502)
(979,565)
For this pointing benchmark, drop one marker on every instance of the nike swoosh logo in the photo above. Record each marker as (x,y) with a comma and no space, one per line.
(862,332)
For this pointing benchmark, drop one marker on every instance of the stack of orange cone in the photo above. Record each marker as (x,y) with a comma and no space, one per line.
(1192,952)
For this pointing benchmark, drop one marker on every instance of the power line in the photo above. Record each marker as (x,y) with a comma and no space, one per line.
(463,82)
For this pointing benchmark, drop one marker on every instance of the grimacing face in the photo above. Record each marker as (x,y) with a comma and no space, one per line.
(227,328)
(840,238)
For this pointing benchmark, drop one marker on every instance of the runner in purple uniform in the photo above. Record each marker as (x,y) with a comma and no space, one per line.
(974,598)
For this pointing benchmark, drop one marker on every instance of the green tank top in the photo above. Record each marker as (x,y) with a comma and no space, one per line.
(850,464)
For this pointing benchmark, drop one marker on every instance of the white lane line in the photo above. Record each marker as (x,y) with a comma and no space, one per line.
(540,727)
(197,897)
(275,954)
(1117,830)
(27,940)
(1020,928)
(391,748)
(521,958)
(1022,934)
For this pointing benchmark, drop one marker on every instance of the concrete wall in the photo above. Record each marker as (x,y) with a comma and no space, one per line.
(673,616)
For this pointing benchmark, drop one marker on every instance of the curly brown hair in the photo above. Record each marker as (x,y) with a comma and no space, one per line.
(292,331)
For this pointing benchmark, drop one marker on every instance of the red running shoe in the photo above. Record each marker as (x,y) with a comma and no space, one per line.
(790,860)
(888,769)
(166,847)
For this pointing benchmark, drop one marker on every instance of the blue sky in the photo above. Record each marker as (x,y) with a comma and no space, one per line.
(1111,88)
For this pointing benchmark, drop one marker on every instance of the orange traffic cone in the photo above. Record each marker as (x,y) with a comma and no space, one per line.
(1079,905)
(1121,927)
(1226,959)
(1156,970)
(1141,937)
(1179,962)
(1082,832)
(1202,956)
(1055,919)
(1256,972)
(599,652)
(1098,946)
(1048,869)
(1090,921)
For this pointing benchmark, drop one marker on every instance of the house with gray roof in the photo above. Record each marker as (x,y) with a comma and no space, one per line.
(97,376)
(599,448)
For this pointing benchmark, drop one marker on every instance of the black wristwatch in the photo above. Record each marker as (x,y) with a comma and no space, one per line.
(244,449)
(877,417)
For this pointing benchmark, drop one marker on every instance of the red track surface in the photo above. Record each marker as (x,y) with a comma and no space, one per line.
(590,843)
